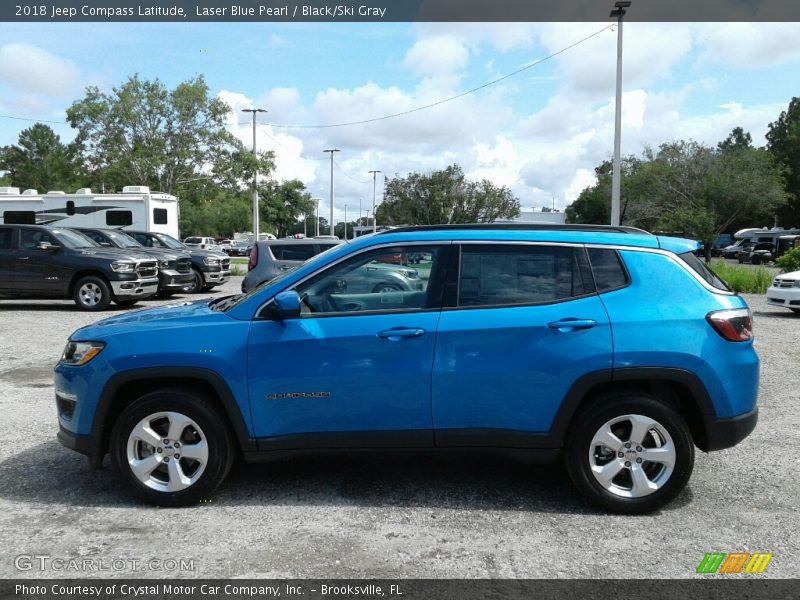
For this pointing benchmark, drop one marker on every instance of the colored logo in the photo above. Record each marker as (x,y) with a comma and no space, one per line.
(735,562)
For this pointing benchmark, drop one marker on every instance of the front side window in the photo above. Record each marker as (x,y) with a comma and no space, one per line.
(502,275)
(373,282)
(30,238)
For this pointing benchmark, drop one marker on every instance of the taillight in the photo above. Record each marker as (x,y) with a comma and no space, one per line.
(253,258)
(734,325)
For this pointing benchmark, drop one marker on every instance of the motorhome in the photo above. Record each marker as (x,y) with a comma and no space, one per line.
(747,238)
(136,208)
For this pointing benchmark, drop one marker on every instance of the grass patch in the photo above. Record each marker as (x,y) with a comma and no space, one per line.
(237,271)
(746,280)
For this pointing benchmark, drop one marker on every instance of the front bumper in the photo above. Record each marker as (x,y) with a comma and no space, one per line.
(216,277)
(785,297)
(725,433)
(169,280)
(137,288)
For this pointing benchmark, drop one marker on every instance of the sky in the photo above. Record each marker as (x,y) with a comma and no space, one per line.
(540,132)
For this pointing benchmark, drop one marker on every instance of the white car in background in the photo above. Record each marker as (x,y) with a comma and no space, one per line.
(203,243)
(785,291)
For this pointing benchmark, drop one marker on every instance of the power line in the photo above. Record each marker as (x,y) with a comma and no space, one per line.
(33,120)
(346,174)
(451,98)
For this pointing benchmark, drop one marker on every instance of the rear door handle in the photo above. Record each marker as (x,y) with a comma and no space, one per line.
(399,333)
(570,324)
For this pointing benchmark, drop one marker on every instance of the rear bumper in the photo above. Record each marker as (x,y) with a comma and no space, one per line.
(725,433)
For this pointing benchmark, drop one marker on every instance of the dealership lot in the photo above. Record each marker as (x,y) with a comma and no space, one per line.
(382,516)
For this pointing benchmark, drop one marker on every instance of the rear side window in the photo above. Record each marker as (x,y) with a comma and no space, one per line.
(497,275)
(6,238)
(301,252)
(699,267)
(119,218)
(609,273)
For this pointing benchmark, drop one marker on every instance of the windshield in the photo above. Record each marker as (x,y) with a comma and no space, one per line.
(169,241)
(74,239)
(122,240)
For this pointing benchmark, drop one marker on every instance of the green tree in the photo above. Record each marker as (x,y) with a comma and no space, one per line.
(142,133)
(444,196)
(593,205)
(783,142)
(282,204)
(738,139)
(40,161)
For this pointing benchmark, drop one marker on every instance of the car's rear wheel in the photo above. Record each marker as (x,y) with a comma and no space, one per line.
(91,293)
(629,453)
(172,448)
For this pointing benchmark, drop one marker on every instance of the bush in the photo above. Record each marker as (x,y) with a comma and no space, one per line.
(790,261)
(746,280)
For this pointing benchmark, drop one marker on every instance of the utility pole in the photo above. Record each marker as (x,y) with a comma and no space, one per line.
(345,222)
(255,174)
(619,12)
(316,220)
(332,150)
(374,214)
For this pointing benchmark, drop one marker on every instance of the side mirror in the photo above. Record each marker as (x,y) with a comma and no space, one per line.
(286,305)
(47,247)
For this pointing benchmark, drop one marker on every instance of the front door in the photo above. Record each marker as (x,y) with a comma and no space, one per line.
(40,271)
(355,368)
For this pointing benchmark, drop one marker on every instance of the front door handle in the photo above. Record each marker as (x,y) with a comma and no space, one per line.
(401,332)
(23,258)
(571,324)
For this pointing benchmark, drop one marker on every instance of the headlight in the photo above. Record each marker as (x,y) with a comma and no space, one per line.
(80,353)
(123,267)
(211,262)
(163,264)
(410,273)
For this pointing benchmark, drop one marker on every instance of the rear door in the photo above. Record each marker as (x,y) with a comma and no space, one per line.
(521,324)
(8,245)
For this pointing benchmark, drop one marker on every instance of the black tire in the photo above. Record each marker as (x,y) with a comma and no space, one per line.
(580,454)
(91,293)
(208,288)
(197,284)
(386,287)
(795,310)
(207,425)
(125,303)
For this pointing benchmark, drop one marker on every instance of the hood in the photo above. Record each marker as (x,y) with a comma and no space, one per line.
(114,253)
(793,276)
(203,253)
(165,253)
(162,317)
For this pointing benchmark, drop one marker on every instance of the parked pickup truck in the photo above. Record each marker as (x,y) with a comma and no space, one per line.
(45,262)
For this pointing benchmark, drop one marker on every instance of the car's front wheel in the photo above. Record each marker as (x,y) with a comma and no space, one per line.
(172,448)
(196,286)
(629,453)
(91,293)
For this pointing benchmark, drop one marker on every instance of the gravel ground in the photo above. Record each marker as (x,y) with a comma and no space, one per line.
(389,516)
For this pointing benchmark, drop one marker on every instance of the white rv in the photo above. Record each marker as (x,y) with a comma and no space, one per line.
(136,208)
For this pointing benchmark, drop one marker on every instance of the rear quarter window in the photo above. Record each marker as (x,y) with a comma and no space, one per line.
(608,269)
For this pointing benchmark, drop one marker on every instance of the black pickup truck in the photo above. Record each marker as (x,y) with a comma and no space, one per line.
(49,262)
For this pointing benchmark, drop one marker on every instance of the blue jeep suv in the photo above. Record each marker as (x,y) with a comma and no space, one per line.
(612,348)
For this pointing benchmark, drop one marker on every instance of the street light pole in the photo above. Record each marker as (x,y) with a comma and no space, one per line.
(374,214)
(332,150)
(619,12)
(255,174)
(316,220)
(345,222)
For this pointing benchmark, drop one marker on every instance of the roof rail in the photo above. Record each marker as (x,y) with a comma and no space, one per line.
(518,226)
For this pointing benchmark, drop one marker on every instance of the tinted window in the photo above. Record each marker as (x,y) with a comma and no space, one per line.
(19,217)
(493,275)
(6,235)
(300,252)
(160,216)
(119,218)
(609,274)
(699,267)
(70,208)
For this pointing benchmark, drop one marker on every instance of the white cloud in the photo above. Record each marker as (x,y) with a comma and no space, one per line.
(437,56)
(749,45)
(28,69)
